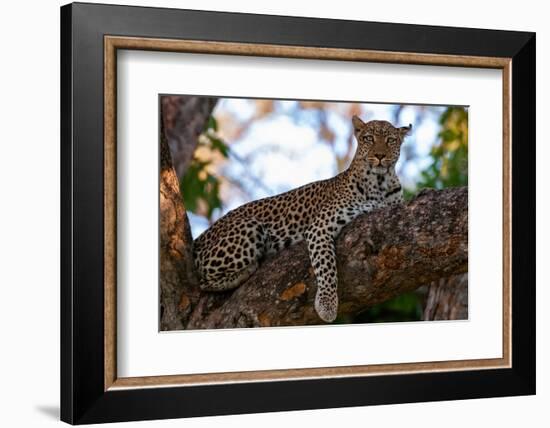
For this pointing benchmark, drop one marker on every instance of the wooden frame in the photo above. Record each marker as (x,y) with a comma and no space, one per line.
(91,391)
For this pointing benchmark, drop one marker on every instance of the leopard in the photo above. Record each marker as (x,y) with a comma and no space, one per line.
(235,245)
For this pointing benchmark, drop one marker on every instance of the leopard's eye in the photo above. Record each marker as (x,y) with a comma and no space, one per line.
(368,138)
(391,140)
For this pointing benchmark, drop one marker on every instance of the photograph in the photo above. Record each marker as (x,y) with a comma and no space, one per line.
(293,212)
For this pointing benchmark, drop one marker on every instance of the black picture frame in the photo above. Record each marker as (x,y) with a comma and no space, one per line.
(83,396)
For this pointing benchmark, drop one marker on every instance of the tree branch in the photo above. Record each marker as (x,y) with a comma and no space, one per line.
(380,255)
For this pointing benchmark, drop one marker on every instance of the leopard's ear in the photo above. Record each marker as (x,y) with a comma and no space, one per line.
(357,124)
(405,130)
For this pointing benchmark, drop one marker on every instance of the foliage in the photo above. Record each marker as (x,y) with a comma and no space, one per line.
(199,187)
(405,307)
(449,166)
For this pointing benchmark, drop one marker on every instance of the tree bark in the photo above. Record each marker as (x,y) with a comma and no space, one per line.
(380,255)
(447,299)
(178,281)
(184,120)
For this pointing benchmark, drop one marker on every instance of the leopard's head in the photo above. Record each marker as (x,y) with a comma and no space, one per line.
(379,142)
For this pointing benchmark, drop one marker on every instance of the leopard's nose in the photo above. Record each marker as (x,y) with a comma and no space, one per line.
(379,156)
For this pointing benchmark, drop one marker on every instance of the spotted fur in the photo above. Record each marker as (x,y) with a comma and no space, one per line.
(233,247)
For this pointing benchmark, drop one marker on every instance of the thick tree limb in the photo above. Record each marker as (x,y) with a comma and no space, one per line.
(380,255)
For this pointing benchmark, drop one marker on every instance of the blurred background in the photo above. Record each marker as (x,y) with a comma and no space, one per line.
(254,148)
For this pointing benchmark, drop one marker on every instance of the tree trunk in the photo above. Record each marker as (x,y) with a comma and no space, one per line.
(178,282)
(447,299)
(184,119)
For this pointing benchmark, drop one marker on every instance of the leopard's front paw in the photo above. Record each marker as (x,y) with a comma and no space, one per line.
(326,305)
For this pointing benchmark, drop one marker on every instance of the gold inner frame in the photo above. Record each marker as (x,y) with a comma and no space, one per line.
(112,43)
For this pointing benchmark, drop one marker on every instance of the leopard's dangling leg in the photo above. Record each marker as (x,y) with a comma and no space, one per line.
(322,255)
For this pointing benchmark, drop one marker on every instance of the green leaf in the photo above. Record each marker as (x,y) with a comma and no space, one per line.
(448,135)
(220,146)
(449,166)
(212,123)
(200,192)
